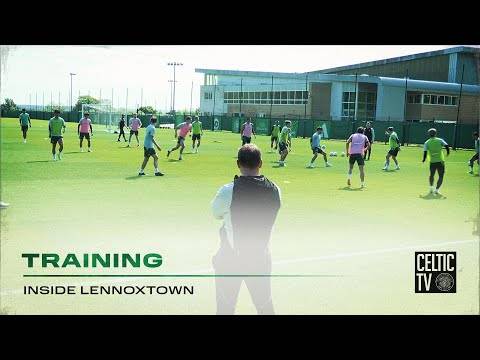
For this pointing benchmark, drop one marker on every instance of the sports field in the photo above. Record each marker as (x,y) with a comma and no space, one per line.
(360,242)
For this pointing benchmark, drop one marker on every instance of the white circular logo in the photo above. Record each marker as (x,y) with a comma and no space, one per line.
(216,124)
(444,282)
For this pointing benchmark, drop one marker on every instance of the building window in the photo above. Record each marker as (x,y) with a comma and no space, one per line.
(290,97)
(365,108)
(348,105)
(208,96)
(445,100)
(415,99)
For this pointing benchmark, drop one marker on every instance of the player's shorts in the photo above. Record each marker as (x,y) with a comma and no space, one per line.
(196,137)
(148,152)
(246,140)
(56,139)
(181,140)
(134,132)
(437,166)
(394,152)
(356,157)
(282,147)
(274,138)
(122,131)
(84,135)
(24,127)
(317,150)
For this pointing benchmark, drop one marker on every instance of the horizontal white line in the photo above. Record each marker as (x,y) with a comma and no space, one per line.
(425,247)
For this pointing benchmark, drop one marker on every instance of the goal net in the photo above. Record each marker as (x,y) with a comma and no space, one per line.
(100,114)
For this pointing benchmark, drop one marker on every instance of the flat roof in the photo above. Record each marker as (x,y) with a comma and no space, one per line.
(412,84)
(452,50)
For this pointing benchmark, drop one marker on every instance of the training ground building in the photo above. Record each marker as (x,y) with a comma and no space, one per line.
(438,86)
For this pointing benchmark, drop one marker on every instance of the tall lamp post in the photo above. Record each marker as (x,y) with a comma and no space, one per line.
(171,82)
(174,64)
(71,88)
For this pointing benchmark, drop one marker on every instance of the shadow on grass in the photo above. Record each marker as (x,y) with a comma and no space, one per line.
(348,188)
(173,160)
(38,161)
(389,171)
(430,196)
(73,152)
(136,177)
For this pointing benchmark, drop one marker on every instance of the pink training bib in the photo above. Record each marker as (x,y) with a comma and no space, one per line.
(136,123)
(184,130)
(357,146)
(247,130)
(85,125)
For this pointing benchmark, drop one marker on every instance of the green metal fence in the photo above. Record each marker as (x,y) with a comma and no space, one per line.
(408,132)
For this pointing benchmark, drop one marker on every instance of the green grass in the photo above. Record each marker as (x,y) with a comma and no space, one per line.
(95,202)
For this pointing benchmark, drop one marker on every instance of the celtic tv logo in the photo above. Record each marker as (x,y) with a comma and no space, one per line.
(435,272)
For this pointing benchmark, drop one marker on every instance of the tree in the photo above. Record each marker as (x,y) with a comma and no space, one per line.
(146,110)
(8,106)
(85,99)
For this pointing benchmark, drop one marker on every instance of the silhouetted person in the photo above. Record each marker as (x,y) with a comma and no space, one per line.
(248,207)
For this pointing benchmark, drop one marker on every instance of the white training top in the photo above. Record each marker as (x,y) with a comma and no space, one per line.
(221,208)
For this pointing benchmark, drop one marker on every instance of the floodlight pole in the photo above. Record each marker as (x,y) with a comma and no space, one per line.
(306,89)
(191,98)
(71,88)
(406,97)
(241,97)
(126,105)
(271,101)
(174,64)
(356,104)
(171,95)
(405,107)
(458,111)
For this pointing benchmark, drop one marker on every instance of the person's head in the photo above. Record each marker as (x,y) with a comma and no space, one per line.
(123,116)
(249,120)
(475,135)
(288,123)
(197,118)
(23,110)
(86,114)
(319,130)
(368,125)
(56,113)
(136,115)
(360,130)
(188,119)
(153,120)
(249,160)
(390,129)
(432,132)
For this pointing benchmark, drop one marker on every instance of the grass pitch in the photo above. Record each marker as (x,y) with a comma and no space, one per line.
(360,242)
